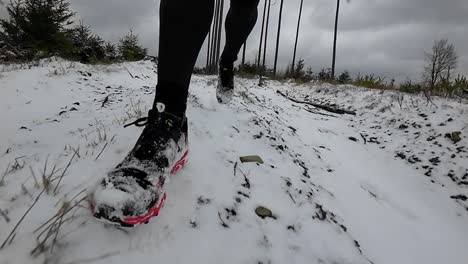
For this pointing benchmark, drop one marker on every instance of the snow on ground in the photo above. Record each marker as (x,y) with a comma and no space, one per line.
(384,186)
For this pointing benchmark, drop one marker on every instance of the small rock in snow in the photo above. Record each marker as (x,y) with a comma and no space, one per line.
(263,212)
(454,136)
(254,158)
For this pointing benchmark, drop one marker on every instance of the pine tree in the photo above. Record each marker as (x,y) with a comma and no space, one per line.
(335,39)
(110,51)
(325,75)
(298,71)
(38,25)
(278,37)
(88,47)
(345,77)
(297,34)
(130,49)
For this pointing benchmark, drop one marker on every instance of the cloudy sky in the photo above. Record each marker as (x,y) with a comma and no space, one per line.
(376,36)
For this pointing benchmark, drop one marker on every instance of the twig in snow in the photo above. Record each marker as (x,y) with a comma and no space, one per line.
(222,221)
(52,226)
(4,214)
(93,259)
(364,138)
(4,174)
(294,201)
(48,221)
(56,234)
(105,101)
(77,151)
(12,233)
(101,152)
(235,168)
(316,112)
(247,182)
(63,173)
(131,75)
(323,107)
(36,183)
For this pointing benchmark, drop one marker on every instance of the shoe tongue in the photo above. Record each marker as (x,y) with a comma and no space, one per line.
(160,107)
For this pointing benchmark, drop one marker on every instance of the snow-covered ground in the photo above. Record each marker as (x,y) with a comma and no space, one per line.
(384,186)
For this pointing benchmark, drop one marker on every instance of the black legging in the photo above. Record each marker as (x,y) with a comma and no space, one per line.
(184,25)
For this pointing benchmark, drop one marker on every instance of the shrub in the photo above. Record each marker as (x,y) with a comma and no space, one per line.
(247,69)
(324,75)
(451,88)
(409,87)
(110,51)
(344,77)
(370,81)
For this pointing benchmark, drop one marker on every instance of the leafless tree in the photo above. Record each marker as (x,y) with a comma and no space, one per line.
(261,36)
(208,51)
(214,37)
(243,53)
(262,69)
(220,26)
(278,37)
(335,39)
(297,36)
(440,61)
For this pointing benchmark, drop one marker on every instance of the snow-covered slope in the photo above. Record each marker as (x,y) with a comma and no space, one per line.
(341,188)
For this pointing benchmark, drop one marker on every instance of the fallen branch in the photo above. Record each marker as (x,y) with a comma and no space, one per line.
(323,107)
(131,75)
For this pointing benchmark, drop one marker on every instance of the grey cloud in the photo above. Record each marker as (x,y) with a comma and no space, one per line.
(375,36)
(381,14)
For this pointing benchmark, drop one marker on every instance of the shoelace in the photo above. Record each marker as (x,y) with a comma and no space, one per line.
(139,122)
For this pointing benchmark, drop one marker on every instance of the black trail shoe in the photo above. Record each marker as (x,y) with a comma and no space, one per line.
(225,88)
(134,191)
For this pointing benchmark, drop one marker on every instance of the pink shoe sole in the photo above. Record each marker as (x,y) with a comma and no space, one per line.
(154,211)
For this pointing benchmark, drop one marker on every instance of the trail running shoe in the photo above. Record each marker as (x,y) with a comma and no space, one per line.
(134,191)
(225,88)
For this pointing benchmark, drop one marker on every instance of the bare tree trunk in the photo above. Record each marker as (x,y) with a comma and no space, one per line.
(262,69)
(266,36)
(448,74)
(214,37)
(208,53)
(334,39)
(220,26)
(261,37)
(278,37)
(297,37)
(243,54)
